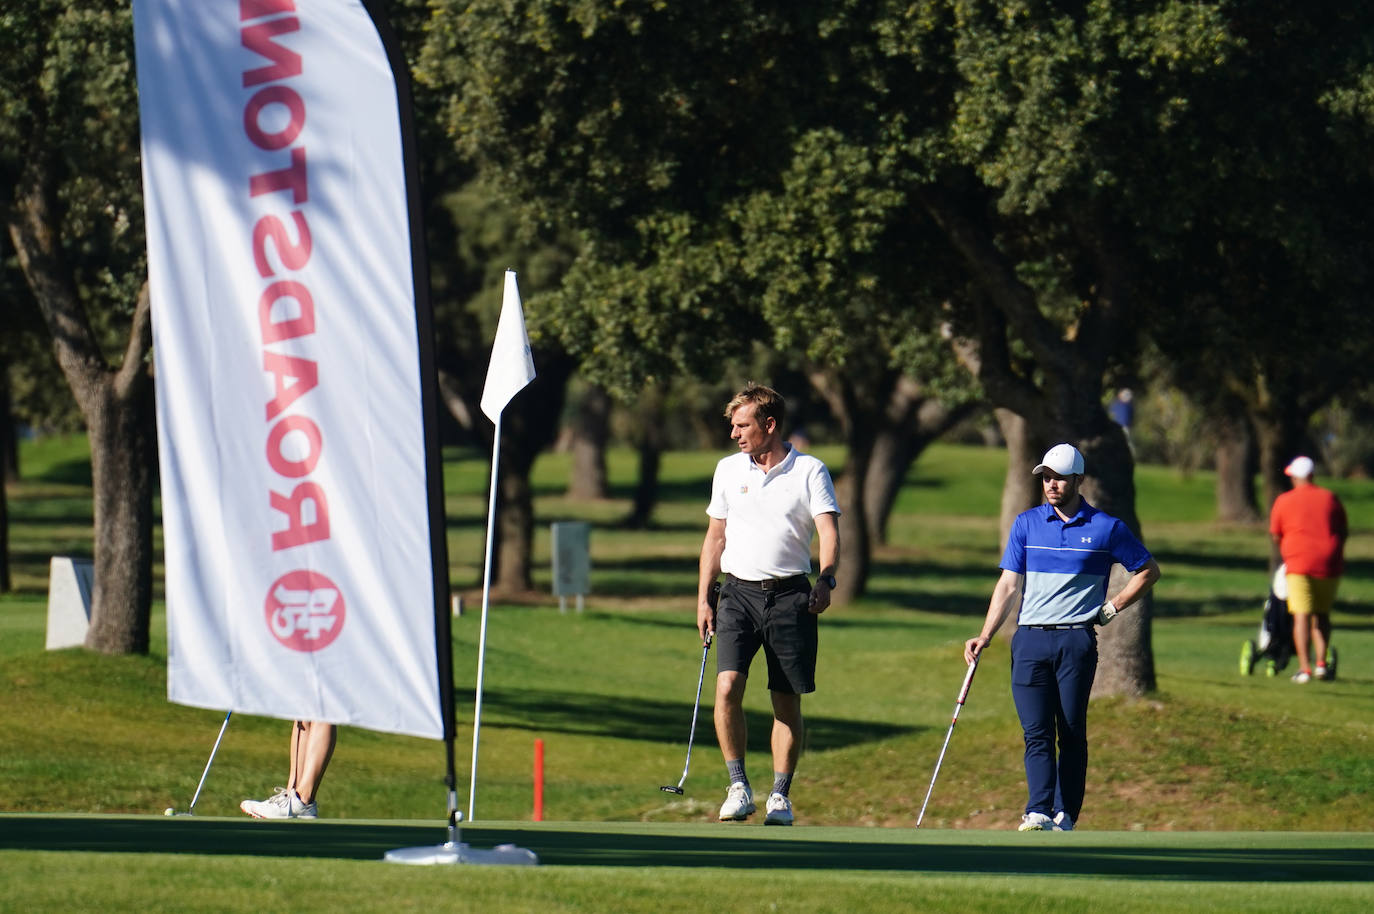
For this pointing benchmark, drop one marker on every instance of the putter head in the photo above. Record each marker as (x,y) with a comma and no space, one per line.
(669,788)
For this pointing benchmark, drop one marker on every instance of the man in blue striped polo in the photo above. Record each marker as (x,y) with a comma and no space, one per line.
(1054,574)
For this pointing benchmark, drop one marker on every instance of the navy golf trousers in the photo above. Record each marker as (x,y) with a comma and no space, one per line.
(1051,676)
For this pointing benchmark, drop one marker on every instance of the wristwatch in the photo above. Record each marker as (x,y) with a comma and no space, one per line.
(829,580)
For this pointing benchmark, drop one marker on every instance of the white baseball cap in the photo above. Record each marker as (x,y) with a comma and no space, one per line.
(1301,467)
(1063,459)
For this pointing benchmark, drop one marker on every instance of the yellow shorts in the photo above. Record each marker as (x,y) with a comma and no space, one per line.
(1307,594)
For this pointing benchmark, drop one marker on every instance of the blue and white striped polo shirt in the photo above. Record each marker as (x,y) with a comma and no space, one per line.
(1066,564)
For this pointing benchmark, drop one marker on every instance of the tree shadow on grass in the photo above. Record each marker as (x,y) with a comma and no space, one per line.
(933,601)
(619,717)
(648,576)
(1257,565)
(1342,858)
(68,473)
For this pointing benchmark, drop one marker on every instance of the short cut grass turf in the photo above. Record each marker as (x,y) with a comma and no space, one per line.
(147,863)
(1218,791)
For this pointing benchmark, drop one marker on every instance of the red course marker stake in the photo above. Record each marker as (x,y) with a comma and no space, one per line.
(539,780)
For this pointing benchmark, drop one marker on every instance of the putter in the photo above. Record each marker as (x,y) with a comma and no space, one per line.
(191,811)
(669,788)
(959,703)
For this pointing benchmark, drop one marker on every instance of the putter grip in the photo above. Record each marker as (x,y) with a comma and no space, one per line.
(968,680)
(713,598)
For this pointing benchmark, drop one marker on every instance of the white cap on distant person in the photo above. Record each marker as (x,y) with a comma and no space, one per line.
(1063,459)
(1301,467)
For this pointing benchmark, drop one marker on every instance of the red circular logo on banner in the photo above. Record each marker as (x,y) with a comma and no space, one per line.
(305,611)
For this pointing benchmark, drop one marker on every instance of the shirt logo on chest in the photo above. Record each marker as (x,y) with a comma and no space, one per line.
(1087,539)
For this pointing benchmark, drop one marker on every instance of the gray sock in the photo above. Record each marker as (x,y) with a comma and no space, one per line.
(781,782)
(736,768)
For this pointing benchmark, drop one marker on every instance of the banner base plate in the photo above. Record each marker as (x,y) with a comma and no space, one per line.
(451,853)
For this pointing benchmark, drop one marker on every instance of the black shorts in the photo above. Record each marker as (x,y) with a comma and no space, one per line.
(777,620)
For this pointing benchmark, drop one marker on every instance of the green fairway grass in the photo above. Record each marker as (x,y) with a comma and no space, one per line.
(1216,791)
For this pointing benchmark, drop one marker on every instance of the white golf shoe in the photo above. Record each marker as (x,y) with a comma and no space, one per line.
(283,804)
(1035,821)
(779,810)
(303,810)
(739,803)
(1062,822)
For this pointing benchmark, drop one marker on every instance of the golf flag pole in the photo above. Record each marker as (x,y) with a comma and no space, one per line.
(510,370)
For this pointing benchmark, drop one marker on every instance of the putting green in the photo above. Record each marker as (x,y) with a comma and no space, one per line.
(1211,856)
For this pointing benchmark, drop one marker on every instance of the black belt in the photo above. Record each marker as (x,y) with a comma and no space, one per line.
(1058,628)
(768,585)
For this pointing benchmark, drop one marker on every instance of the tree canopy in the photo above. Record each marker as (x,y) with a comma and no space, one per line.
(1048,183)
(73,213)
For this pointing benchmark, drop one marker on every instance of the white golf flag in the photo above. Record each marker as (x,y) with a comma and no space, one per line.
(290,422)
(512,366)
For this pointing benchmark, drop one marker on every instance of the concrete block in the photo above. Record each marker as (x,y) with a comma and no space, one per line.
(69,601)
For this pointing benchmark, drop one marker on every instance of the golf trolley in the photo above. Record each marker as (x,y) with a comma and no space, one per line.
(1274,642)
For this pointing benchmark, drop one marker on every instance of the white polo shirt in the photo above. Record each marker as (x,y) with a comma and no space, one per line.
(770,518)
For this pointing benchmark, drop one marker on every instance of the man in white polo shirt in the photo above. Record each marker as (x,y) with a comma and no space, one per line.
(766,502)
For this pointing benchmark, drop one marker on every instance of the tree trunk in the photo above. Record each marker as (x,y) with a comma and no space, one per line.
(647,437)
(1020,490)
(1125,649)
(6,582)
(122,468)
(529,426)
(590,431)
(888,420)
(455,398)
(1278,441)
(894,451)
(856,552)
(1235,477)
(511,559)
(118,408)
(858,407)
(9,440)
(1058,389)
(646,482)
(9,472)
(914,419)
(1126,663)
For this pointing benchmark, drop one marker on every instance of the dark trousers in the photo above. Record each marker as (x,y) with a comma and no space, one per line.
(1051,676)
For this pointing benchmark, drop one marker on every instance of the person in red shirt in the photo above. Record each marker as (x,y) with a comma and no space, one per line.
(1309,525)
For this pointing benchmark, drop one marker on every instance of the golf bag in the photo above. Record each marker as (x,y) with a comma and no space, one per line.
(1274,643)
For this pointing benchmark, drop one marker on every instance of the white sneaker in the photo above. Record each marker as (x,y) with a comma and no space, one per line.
(779,810)
(277,806)
(283,804)
(1035,821)
(739,803)
(1062,822)
(1302,676)
(303,810)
